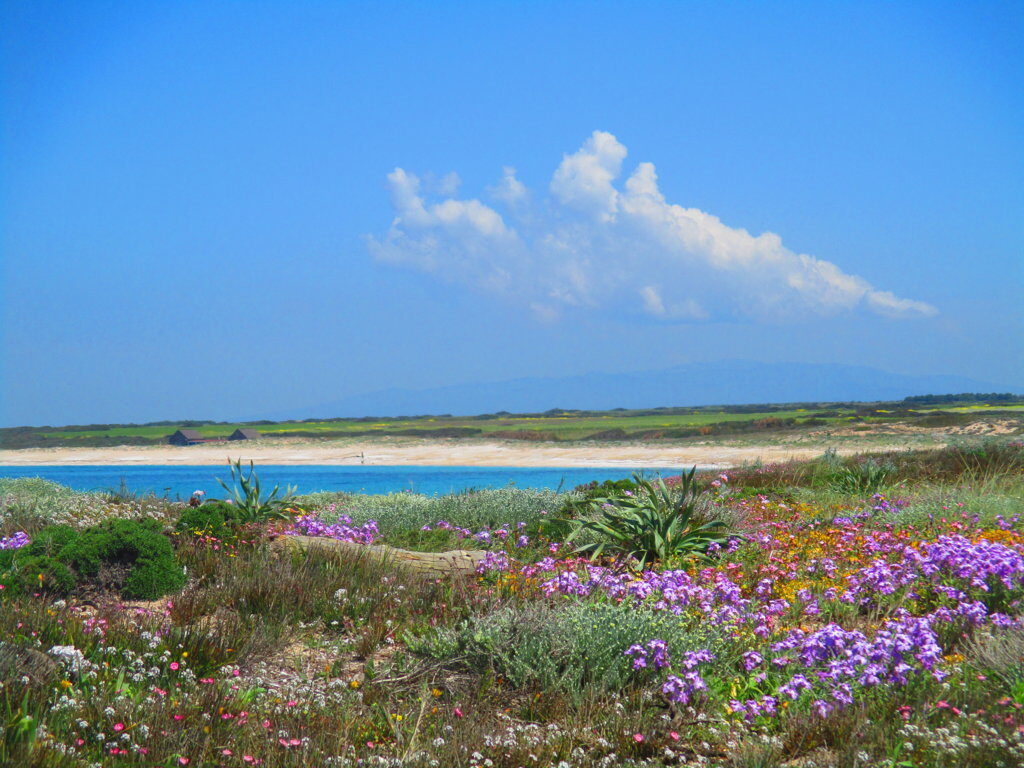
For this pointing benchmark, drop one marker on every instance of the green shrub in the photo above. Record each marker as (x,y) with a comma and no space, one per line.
(64,556)
(123,541)
(214,518)
(570,648)
(153,578)
(138,543)
(51,540)
(34,573)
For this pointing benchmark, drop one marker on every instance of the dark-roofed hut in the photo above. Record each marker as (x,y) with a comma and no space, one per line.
(185,437)
(245,434)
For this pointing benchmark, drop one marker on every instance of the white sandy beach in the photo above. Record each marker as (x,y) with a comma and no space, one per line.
(419,453)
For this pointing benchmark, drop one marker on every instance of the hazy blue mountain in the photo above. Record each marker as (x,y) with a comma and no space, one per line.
(720,383)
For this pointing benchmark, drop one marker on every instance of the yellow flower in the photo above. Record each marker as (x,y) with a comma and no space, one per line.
(354,685)
(437,693)
(65,683)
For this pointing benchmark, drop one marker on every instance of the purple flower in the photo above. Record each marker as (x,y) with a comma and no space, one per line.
(681,690)
(655,653)
(343,530)
(493,561)
(14,541)
(752,660)
(692,659)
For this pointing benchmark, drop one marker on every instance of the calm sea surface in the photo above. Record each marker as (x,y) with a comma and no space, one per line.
(181,481)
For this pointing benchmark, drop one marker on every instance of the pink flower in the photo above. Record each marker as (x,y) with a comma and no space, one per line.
(175,666)
(638,737)
(183,761)
(458,712)
(674,735)
(118,727)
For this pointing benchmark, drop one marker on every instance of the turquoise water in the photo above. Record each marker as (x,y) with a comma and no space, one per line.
(180,481)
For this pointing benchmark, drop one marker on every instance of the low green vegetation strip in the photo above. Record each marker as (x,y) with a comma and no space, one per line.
(653,424)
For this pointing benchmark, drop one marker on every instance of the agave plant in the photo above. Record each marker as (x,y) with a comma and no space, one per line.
(247,496)
(653,523)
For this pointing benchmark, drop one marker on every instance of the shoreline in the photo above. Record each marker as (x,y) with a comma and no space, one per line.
(423,453)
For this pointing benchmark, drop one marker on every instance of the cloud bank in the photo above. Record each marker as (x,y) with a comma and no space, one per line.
(593,244)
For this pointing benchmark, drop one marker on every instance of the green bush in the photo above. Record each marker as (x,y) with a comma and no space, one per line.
(570,648)
(152,578)
(34,573)
(214,518)
(123,541)
(64,556)
(51,540)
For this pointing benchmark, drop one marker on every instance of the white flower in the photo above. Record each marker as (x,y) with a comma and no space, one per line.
(69,655)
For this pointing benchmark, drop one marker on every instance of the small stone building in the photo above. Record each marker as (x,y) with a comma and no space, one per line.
(186,437)
(245,434)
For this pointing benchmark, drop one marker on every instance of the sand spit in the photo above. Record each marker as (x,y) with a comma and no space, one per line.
(423,453)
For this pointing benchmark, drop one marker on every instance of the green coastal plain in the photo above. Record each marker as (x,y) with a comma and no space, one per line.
(1002,413)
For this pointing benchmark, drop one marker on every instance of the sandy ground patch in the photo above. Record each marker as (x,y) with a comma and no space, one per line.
(428,453)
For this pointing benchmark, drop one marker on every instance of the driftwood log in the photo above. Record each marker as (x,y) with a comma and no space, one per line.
(459,562)
(17,663)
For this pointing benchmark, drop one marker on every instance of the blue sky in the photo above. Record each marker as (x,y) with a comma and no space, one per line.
(221,210)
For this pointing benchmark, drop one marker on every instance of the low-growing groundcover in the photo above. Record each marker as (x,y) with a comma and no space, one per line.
(828,626)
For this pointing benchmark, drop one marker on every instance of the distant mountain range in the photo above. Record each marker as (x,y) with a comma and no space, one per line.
(731,382)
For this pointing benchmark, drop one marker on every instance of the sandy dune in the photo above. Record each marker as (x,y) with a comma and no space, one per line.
(418,453)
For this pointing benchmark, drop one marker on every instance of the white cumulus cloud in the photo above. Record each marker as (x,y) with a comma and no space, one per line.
(596,244)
